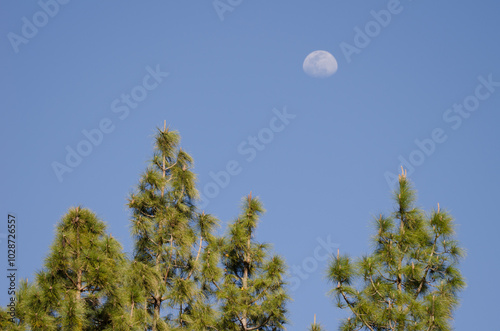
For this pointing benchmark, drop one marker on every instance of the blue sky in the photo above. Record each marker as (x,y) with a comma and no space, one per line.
(322,176)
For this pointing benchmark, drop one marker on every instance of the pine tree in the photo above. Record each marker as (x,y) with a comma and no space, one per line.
(79,287)
(171,243)
(253,294)
(411,281)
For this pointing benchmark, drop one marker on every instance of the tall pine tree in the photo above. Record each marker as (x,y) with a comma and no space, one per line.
(171,239)
(253,292)
(80,286)
(411,281)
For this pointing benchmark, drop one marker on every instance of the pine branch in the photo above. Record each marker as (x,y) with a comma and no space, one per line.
(354,311)
(424,278)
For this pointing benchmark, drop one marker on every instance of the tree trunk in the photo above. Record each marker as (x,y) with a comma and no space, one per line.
(246,265)
(156,315)
(79,271)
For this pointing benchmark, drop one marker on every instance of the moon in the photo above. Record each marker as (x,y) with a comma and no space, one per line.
(320,64)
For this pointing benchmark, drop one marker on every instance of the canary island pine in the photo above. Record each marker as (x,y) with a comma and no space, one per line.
(253,294)
(172,242)
(79,287)
(411,281)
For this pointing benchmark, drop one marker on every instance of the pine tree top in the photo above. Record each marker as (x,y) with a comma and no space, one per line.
(411,280)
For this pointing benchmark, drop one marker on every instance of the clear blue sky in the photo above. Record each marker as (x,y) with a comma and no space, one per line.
(322,176)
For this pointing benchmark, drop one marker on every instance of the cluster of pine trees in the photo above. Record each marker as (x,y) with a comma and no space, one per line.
(182,276)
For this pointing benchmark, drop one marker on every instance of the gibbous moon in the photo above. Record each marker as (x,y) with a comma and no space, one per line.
(320,64)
